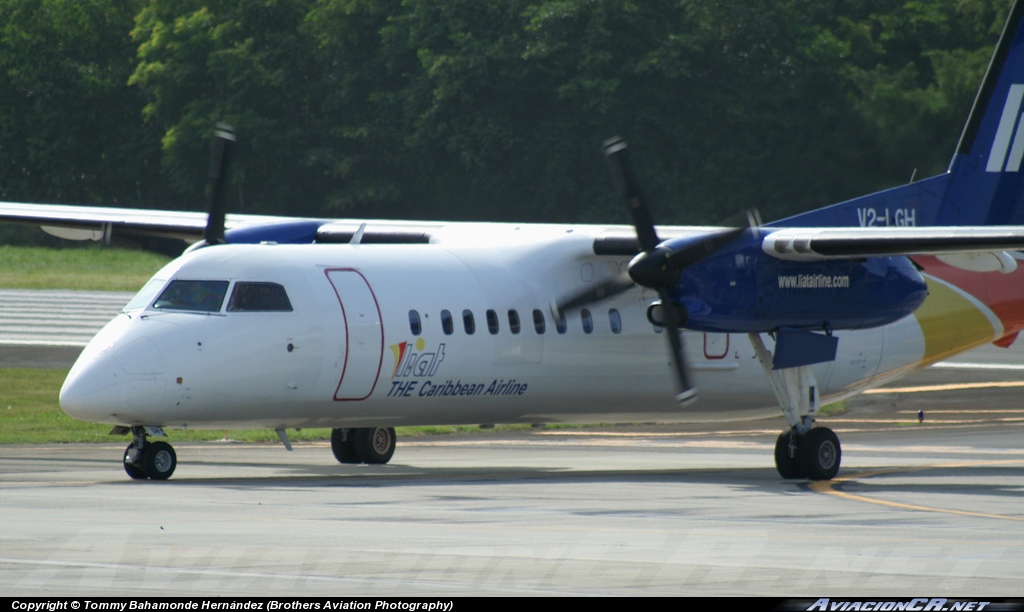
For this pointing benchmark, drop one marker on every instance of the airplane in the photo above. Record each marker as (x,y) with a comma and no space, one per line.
(362,326)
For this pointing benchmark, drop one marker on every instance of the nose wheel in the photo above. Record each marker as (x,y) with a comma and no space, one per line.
(149,460)
(134,471)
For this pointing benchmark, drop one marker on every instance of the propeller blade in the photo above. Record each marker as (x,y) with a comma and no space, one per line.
(685,392)
(220,160)
(615,153)
(657,268)
(607,289)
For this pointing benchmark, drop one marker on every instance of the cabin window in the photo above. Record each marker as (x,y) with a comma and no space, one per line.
(259,297)
(414,323)
(193,296)
(492,322)
(560,325)
(513,321)
(447,325)
(615,319)
(538,321)
(467,322)
(588,321)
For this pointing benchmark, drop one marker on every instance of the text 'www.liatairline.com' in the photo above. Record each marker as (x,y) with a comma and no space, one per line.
(813,281)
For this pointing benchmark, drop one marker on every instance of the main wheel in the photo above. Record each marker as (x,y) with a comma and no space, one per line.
(819,454)
(788,467)
(374,444)
(159,460)
(344,449)
(134,471)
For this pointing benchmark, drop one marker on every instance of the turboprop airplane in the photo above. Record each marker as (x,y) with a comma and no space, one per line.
(364,326)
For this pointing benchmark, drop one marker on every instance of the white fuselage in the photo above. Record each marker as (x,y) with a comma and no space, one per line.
(349,354)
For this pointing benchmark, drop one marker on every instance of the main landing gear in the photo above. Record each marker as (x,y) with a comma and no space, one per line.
(802,451)
(814,455)
(373,445)
(152,460)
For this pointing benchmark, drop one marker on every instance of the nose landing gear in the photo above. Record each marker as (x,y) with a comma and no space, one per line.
(152,460)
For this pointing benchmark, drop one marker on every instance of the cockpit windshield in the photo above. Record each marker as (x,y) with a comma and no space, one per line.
(193,295)
(145,295)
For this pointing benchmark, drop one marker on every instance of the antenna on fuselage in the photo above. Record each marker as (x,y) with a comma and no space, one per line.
(358,236)
(220,160)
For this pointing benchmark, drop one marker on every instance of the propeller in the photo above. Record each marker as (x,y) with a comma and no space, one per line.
(658,266)
(220,161)
(651,267)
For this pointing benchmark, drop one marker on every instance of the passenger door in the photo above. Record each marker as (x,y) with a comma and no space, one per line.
(363,344)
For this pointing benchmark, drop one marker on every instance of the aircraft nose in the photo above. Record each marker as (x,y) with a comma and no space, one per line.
(92,390)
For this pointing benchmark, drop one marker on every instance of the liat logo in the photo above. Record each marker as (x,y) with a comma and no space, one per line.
(415,368)
(416,363)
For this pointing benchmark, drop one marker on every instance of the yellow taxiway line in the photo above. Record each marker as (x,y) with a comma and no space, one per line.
(949,387)
(829,487)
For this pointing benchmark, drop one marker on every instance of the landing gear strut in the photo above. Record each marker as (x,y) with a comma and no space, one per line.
(802,451)
(144,459)
(373,445)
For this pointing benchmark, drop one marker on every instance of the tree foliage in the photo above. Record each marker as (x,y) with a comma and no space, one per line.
(70,126)
(463,109)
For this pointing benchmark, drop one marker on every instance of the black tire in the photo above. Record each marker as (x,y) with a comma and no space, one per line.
(820,454)
(374,444)
(788,467)
(159,460)
(344,450)
(134,471)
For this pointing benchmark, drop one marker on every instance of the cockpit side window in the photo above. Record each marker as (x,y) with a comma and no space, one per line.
(193,296)
(259,297)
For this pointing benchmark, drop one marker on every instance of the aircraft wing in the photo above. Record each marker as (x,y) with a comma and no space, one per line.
(94,222)
(817,244)
(78,222)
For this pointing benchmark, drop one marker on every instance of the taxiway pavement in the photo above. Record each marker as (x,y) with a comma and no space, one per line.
(917,510)
(921,509)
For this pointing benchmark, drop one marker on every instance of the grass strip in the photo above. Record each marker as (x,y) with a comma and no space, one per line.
(93,269)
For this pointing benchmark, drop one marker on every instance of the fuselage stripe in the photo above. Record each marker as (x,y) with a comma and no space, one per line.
(951,319)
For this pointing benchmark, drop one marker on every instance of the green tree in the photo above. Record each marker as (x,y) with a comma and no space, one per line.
(70,127)
(914,67)
(472,110)
(248,64)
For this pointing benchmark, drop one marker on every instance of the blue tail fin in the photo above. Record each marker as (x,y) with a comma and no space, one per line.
(984,184)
